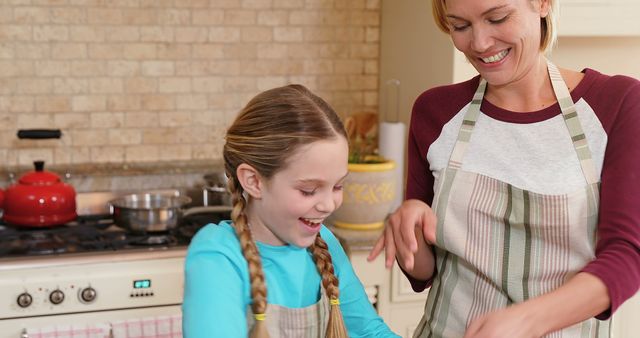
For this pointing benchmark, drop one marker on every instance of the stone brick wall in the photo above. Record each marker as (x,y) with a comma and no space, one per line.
(159,80)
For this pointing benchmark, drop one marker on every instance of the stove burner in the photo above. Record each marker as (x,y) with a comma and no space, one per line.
(48,245)
(154,239)
(45,241)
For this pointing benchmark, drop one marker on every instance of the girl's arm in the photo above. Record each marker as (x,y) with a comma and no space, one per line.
(214,303)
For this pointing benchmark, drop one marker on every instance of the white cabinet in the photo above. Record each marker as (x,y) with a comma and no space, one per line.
(399,306)
(626,321)
(599,18)
(406,306)
(375,279)
(401,290)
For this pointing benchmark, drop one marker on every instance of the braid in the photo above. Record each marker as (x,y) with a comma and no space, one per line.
(251,254)
(322,258)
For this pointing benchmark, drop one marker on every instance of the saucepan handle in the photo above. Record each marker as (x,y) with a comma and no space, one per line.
(39,133)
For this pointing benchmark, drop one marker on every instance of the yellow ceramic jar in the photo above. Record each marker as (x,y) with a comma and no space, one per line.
(369,192)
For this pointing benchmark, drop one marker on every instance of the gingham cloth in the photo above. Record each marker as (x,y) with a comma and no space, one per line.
(71,331)
(148,327)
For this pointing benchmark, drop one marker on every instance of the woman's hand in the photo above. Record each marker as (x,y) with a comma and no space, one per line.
(407,235)
(552,311)
(511,322)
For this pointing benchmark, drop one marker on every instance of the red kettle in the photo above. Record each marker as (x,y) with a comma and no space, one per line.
(39,199)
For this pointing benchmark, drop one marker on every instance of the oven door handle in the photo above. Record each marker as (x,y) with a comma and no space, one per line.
(25,334)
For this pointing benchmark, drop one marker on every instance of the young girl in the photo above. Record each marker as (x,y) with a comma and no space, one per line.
(275,270)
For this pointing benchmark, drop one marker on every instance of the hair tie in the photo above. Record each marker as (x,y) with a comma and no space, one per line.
(334,301)
(260,316)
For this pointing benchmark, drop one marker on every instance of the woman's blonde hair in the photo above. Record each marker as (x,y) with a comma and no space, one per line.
(270,128)
(548,24)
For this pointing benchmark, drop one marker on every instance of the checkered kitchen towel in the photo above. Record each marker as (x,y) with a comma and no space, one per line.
(70,331)
(148,327)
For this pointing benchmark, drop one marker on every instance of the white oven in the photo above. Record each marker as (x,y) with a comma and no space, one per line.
(104,289)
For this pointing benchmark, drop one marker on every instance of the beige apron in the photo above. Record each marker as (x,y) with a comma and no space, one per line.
(306,322)
(498,244)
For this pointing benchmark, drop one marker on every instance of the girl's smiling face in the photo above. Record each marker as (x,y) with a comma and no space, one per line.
(501,38)
(297,199)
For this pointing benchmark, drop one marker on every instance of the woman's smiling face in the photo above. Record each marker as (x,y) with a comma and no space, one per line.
(501,38)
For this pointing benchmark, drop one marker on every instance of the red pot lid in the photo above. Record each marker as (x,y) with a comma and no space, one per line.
(39,176)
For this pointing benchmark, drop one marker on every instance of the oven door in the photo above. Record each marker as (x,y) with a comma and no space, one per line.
(118,321)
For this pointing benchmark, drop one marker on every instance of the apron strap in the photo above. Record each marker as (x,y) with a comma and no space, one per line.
(468,123)
(573,124)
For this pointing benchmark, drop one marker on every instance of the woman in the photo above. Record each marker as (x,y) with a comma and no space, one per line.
(532,177)
(275,270)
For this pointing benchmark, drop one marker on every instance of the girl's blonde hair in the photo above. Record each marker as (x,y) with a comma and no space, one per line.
(548,24)
(271,127)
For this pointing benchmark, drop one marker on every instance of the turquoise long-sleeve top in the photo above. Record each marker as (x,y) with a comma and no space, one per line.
(217,293)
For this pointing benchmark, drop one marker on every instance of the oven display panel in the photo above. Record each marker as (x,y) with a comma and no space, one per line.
(142,284)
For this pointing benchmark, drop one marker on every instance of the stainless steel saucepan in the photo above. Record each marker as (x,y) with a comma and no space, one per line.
(148,212)
(215,192)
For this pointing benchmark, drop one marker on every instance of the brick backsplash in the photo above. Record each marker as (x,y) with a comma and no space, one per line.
(159,80)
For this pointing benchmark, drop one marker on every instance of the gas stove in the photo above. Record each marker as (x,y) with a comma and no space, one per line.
(91,235)
(91,273)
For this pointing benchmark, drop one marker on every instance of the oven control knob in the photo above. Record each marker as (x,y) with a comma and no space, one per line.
(88,295)
(56,297)
(24,299)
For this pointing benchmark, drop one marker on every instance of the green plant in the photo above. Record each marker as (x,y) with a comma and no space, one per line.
(364,150)
(362,130)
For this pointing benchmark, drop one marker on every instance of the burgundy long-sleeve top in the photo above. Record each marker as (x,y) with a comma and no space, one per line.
(528,155)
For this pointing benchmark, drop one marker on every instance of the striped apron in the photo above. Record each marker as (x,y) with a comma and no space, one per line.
(498,244)
(306,322)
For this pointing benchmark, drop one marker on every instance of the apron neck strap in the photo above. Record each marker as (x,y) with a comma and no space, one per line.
(573,124)
(468,123)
